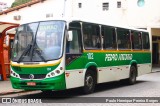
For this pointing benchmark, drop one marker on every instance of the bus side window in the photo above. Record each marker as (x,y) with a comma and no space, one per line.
(91,36)
(136,40)
(145,38)
(74,46)
(123,36)
(109,37)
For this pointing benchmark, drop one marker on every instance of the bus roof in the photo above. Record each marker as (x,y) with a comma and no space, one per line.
(91,21)
(112,25)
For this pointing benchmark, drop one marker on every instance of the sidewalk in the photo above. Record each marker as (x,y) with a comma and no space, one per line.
(6,87)
(155,69)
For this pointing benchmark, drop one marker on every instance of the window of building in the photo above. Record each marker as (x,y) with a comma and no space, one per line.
(91,36)
(109,37)
(145,38)
(79,5)
(136,40)
(123,36)
(105,6)
(119,4)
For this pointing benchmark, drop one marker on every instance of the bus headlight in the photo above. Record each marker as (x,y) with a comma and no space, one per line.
(57,71)
(54,73)
(14,74)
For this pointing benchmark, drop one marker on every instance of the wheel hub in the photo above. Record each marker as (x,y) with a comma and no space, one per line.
(89,82)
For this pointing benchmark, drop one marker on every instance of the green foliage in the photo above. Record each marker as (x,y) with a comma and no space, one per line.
(19,2)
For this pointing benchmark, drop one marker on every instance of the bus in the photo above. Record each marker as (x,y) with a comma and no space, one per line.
(61,54)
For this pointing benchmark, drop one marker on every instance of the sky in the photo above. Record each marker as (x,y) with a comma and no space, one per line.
(9,2)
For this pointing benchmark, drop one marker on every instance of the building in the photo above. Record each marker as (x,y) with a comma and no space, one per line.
(134,13)
(3,6)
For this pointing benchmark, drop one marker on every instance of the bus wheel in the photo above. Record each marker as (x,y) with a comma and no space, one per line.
(132,76)
(89,82)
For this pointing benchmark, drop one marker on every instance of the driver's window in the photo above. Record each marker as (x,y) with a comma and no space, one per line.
(74,46)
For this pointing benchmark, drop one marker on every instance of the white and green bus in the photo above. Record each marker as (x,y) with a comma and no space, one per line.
(60,54)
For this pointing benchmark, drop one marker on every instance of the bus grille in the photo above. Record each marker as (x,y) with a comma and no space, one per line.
(36,76)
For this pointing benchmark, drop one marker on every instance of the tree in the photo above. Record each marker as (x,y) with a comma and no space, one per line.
(19,2)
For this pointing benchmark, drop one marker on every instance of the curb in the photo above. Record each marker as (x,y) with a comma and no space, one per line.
(154,71)
(12,92)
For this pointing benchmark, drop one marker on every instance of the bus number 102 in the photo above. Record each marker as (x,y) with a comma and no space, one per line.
(90,56)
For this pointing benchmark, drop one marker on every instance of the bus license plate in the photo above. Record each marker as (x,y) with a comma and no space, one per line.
(31,83)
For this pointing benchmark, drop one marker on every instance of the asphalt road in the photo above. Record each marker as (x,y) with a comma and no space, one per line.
(147,86)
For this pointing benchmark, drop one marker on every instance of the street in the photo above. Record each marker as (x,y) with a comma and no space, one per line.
(146,86)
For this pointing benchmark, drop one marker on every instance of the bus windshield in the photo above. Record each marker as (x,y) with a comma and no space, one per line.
(39,41)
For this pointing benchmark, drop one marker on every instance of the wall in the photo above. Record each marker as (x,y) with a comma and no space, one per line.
(92,10)
(129,14)
(155,31)
(35,12)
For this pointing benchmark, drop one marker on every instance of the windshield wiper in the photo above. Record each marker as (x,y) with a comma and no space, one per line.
(39,54)
(25,52)
(32,52)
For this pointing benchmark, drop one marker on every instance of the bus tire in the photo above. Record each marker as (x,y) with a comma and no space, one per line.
(132,76)
(89,82)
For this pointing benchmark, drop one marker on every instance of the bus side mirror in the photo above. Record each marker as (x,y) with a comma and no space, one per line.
(70,36)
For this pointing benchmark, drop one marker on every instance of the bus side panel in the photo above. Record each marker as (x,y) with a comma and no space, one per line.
(74,72)
(144,69)
(107,74)
(143,62)
(123,72)
(74,78)
(114,73)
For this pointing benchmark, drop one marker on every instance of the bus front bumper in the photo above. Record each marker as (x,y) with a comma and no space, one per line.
(55,83)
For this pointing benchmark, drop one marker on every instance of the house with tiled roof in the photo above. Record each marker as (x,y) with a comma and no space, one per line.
(32,11)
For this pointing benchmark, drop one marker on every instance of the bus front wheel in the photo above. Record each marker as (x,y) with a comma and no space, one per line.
(89,82)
